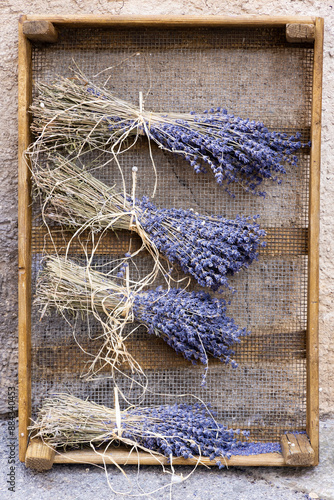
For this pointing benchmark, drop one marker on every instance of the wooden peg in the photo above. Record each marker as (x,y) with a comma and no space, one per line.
(296,449)
(300,33)
(39,456)
(40,31)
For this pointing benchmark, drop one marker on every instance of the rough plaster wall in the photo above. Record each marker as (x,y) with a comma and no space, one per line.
(10,11)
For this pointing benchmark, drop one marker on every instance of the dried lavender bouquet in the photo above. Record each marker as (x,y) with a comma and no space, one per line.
(180,430)
(192,323)
(75,112)
(209,248)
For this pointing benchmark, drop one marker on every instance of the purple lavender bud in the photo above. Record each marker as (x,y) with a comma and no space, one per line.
(210,248)
(193,324)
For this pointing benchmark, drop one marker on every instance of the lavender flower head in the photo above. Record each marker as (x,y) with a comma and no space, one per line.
(234,149)
(210,248)
(193,324)
(183,431)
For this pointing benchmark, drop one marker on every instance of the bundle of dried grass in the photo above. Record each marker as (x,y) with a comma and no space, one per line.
(77,291)
(173,431)
(179,430)
(209,248)
(76,113)
(193,324)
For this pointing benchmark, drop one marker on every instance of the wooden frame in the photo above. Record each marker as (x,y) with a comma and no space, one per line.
(44,28)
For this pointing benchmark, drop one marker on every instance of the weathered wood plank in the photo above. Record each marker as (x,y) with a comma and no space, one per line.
(297,450)
(40,31)
(123,456)
(312,383)
(250,20)
(24,238)
(110,243)
(297,33)
(39,456)
(152,353)
(280,241)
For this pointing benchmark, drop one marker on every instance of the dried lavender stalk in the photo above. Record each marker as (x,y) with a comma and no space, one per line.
(192,323)
(209,248)
(236,150)
(173,431)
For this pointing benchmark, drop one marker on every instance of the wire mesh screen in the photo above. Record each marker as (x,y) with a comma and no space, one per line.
(253,73)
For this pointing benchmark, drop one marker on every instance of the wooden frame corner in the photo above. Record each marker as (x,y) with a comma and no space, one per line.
(39,456)
(297,450)
(40,31)
(298,32)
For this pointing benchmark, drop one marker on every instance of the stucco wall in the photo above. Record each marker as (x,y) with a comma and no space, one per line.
(10,11)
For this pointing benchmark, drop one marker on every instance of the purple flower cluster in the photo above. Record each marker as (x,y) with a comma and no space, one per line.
(210,248)
(236,150)
(193,324)
(257,448)
(182,431)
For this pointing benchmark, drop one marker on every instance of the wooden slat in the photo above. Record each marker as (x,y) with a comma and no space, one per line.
(24,239)
(312,397)
(122,456)
(252,20)
(297,33)
(110,243)
(153,353)
(39,456)
(40,31)
(280,241)
(296,449)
